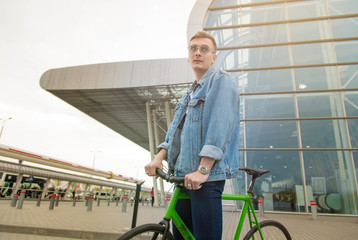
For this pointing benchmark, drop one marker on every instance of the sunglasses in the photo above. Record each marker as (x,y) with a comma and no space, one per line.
(204,49)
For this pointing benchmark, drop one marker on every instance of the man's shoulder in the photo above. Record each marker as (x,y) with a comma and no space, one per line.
(224,77)
(221,74)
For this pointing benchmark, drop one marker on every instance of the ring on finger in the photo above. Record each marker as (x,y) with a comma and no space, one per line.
(189,185)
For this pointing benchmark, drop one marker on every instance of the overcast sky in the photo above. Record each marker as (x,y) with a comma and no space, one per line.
(37,35)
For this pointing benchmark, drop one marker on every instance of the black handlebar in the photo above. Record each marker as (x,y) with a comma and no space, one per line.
(169,178)
(255,173)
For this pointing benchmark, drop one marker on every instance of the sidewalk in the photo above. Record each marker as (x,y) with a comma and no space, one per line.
(108,222)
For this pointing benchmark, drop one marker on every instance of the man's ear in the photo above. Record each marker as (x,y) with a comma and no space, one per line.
(214,58)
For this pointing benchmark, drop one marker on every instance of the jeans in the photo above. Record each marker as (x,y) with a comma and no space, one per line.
(202,213)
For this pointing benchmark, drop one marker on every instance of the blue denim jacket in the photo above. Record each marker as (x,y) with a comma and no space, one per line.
(211,128)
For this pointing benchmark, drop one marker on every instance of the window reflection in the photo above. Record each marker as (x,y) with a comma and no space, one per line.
(338,7)
(349,76)
(353,130)
(269,106)
(278,187)
(271,134)
(346,27)
(324,134)
(355,156)
(327,180)
(317,53)
(264,81)
(304,31)
(315,78)
(255,57)
(260,14)
(329,104)
(307,9)
(347,51)
(351,103)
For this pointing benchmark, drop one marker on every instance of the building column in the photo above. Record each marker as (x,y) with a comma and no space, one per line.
(156,137)
(152,150)
(86,189)
(111,194)
(168,113)
(99,192)
(44,190)
(68,190)
(17,184)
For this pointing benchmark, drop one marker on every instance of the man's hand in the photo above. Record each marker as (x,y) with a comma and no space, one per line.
(152,166)
(194,180)
(156,163)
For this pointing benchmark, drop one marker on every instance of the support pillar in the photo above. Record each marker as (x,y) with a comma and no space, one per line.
(152,150)
(17,184)
(99,196)
(86,190)
(116,194)
(111,195)
(122,194)
(156,137)
(68,190)
(44,191)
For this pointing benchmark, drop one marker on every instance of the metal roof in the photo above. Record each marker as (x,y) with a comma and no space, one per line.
(115,94)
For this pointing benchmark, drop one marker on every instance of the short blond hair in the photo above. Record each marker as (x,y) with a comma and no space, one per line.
(203,34)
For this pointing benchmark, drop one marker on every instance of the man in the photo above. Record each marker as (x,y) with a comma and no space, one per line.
(202,141)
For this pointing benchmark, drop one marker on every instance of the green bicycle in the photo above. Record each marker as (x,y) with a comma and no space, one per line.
(268,229)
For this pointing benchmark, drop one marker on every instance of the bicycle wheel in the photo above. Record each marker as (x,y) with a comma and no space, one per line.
(270,230)
(147,231)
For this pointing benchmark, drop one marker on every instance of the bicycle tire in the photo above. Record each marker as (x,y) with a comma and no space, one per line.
(270,230)
(146,231)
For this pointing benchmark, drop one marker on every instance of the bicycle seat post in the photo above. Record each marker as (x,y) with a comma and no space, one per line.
(253,179)
(255,173)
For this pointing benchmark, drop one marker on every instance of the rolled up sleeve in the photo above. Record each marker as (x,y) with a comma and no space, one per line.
(211,152)
(164,145)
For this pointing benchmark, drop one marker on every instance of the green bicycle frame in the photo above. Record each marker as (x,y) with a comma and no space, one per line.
(248,209)
(171,213)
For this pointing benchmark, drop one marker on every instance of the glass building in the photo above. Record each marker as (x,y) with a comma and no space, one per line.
(296,64)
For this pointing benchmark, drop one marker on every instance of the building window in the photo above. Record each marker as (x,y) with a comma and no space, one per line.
(296,64)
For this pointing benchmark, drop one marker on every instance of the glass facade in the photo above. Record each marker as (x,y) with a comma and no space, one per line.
(296,64)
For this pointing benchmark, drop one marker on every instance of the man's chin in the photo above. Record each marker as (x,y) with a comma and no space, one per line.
(199,68)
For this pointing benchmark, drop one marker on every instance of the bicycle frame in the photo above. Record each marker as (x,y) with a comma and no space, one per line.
(248,209)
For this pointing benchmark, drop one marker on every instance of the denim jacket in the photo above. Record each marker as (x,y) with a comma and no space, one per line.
(211,128)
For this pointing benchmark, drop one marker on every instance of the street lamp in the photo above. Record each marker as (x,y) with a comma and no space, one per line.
(94,157)
(3,124)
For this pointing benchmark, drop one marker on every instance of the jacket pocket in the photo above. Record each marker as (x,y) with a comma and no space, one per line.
(195,110)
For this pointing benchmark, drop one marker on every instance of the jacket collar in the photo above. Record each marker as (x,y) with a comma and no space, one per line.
(202,80)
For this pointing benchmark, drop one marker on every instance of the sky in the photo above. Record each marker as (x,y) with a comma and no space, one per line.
(38,35)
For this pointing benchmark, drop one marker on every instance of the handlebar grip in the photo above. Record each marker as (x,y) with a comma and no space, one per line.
(169,178)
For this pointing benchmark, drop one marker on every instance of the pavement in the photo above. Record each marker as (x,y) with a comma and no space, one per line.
(68,222)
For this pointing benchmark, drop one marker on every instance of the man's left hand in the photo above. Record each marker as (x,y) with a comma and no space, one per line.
(194,180)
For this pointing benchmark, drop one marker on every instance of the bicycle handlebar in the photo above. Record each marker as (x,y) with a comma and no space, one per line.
(255,173)
(169,178)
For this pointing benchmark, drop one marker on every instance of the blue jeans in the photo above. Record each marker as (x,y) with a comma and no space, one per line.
(202,213)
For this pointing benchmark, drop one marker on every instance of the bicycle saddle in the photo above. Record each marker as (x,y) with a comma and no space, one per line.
(252,171)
